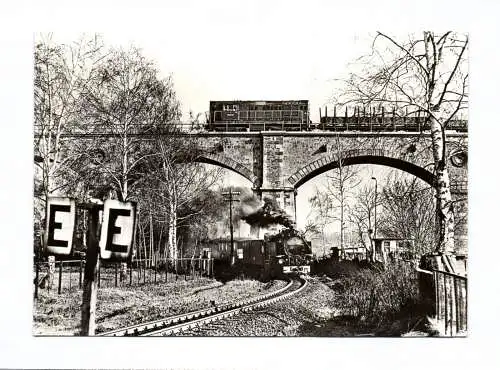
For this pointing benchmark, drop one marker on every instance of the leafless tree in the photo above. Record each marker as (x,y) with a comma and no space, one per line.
(178,182)
(331,201)
(361,216)
(128,99)
(62,72)
(428,75)
(407,212)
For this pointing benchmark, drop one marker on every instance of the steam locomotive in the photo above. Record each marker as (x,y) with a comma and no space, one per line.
(286,252)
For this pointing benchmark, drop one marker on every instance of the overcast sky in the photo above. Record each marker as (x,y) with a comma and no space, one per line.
(246,53)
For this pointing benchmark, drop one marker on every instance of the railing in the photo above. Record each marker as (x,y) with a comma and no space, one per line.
(450,301)
(68,275)
(255,122)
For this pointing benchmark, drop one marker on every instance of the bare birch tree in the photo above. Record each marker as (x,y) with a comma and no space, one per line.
(127,99)
(426,75)
(62,72)
(331,202)
(177,181)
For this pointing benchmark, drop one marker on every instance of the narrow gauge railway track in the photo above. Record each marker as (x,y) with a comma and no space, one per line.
(179,323)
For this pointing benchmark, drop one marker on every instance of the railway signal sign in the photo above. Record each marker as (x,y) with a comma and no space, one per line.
(59,230)
(117,230)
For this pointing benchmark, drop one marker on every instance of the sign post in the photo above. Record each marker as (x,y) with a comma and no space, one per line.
(116,239)
(90,273)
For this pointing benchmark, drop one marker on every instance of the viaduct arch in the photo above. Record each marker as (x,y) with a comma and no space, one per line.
(278,163)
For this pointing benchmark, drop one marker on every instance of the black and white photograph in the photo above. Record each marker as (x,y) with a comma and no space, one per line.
(254,184)
(177,195)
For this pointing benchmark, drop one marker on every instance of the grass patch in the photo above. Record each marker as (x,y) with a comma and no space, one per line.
(118,307)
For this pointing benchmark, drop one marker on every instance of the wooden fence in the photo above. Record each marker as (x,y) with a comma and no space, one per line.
(449,301)
(68,275)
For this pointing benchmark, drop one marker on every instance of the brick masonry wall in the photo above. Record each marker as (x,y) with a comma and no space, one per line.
(276,162)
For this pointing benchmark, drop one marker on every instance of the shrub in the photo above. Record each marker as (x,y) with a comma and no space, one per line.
(379,295)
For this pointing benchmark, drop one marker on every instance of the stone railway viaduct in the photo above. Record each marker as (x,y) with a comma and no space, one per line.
(277,163)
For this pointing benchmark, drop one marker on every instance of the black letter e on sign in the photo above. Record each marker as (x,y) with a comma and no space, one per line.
(53,209)
(115,230)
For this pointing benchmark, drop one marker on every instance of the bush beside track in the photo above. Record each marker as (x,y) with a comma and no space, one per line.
(383,301)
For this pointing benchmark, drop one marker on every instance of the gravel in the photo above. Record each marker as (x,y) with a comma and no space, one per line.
(311,312)
(312,306)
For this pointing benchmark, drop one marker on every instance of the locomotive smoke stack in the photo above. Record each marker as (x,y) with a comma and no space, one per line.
(269,214)
(264,215)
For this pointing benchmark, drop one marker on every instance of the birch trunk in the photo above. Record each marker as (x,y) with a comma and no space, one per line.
(123,265)
(172,231)
(151,238)
(444,204)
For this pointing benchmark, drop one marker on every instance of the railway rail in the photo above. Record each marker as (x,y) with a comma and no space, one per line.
(180,323)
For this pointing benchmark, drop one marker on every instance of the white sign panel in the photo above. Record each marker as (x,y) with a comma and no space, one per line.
(60,225)
(117,230)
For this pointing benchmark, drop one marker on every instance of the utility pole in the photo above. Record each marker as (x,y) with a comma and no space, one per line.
(375,226)
(230,199)
(375,222)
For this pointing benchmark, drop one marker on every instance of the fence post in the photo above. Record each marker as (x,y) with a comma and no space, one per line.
(130,273)
(116,275)
(89,296)
(451,279)
(457,313)
(69,265)
(445,306)
(461,303)
(155,270)
(465,303)
(60,278)
(80,277)
(436,287)
(37,273)
(99,275)
(51,272)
